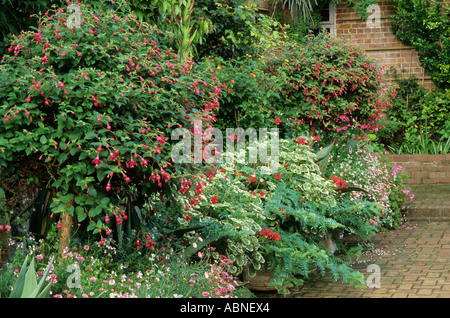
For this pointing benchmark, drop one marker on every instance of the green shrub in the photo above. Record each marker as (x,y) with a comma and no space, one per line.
(87,110)
(325,83)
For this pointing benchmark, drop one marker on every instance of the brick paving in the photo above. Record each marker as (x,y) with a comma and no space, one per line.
(414,260)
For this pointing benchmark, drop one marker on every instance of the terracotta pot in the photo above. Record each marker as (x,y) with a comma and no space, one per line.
(259,282)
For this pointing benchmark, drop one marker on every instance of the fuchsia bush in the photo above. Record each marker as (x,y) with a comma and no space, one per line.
(328,82)
(325,83)
(87,110)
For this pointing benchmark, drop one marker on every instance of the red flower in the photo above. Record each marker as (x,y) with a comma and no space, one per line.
(276,237)
(266,233)
(277,121)
(301,140)
(316,138)
(278,176)
(214,200)
(252,178)
(340,183)
(269,234)
(261,193)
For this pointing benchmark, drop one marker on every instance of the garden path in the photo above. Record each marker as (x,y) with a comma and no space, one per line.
(414,260)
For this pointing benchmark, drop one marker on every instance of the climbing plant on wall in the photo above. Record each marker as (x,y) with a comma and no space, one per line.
(425,25)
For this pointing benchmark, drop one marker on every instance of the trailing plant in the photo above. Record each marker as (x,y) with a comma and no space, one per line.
(356,162)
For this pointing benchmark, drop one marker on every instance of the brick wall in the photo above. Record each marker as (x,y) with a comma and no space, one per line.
(424,169)
(379,42)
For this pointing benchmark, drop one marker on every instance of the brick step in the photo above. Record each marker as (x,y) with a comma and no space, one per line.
(431,203)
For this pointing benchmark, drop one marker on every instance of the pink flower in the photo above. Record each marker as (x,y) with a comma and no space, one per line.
(277,121)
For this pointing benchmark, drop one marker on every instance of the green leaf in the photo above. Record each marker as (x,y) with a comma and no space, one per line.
(81,214)
(94,211)
(30,280)
(62,157)
(104,201)
(43,139)
(324,153)
(20,282)
(67,198)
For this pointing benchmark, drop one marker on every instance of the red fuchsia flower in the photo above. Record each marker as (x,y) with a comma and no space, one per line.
(301,140)
(131,163)
(96,161)
(261,193)
(187,217)
(161,140)
(277,176)
(316,138)
(214,200)
(277,121)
